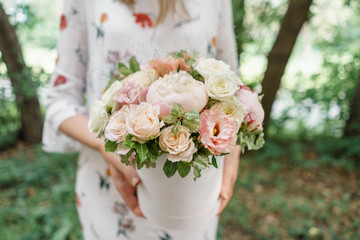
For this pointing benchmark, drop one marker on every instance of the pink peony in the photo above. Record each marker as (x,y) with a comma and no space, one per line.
(217,131)
(250,100)
(177,87)
(166,65)
(129,94)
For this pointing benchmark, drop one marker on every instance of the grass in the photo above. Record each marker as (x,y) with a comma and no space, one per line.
(285,191)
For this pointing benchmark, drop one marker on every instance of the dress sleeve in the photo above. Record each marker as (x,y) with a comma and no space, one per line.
(65,93)
(226,43)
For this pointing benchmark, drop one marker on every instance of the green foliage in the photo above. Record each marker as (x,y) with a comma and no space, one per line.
(37,196)
(178,116)
(170,168)
(134,66)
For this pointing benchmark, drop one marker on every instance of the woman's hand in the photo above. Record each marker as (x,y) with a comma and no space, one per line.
(125,179)
(231,165)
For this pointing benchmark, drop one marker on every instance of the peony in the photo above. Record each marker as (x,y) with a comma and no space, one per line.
(116,131)
(253,107)
(221,86)
(208,66)
(166,65)
(179,147)
(232,108)
(217,131)
(108,97)
(143,122)
(177,87)
(98,117)
(129,94)
(144,77)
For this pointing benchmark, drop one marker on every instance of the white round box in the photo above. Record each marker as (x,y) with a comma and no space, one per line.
(179,203)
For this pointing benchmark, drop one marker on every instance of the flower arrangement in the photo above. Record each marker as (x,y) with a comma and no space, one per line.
(191,109)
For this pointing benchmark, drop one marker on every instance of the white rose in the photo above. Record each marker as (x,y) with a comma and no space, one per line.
(98,117)
(220,86)
(108,97)
(208,66)
(143,77)
(179,147)
(233,108)
(116,131)
(143,122)
(177,87)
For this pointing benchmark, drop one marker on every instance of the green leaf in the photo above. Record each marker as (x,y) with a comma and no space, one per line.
(110,146)
(134,64)
(193,125)
(200,164)
(129,143)
(170,168)
(125,71)
(183,168)
(177,112)
(213,161)
(125,157)
(121,65)
(141,151)
(175,128)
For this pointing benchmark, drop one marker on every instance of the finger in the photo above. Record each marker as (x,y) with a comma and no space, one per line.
(127,191)
(227,187)
(128,171)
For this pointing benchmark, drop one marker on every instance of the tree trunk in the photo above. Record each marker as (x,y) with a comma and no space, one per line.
(21,80)
(352,126)
(295,17)
(239,13)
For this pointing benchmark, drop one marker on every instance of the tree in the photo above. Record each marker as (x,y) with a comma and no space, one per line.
(21,80)
(295,17)
(352,126)
(239,13)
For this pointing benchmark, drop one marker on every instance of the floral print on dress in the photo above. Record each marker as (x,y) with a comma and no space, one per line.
(165,236)
(125,224)
(60,80)
(143,20)
(104,180)
(63,22)
(100,28)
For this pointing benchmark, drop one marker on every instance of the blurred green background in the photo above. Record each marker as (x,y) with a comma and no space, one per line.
(304,183)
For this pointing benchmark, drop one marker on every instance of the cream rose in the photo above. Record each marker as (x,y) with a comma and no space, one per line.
(221,86)
(107,98)
(143,122)
(179,147)
(98,117)
(232,108)
(116,131)
(143,77)
(208,66)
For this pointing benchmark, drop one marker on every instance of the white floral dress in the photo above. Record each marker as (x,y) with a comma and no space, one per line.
(94,36)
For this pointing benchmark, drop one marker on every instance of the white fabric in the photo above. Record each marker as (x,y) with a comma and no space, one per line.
(95,35)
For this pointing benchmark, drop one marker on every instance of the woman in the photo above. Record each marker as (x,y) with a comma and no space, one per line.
(95,35)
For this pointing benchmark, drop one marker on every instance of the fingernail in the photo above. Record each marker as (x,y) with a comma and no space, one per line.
(135,181)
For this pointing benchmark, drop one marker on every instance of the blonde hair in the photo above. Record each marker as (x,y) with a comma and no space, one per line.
(166,7)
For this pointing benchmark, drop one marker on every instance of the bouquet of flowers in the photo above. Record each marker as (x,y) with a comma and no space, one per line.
(188,108)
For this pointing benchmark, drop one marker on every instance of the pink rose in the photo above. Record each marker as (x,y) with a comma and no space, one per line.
(217,131)
(166,65)
(143,122)
(179,147)
(177,87)
(253,107)
(129,94)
